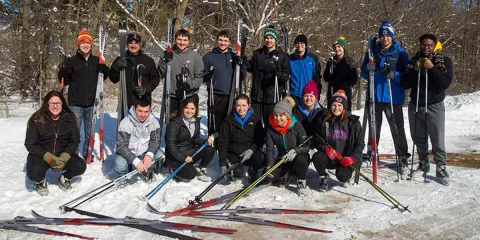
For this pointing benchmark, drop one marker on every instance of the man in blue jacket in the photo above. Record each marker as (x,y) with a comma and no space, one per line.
(223,61)
(390,63)
(304,66)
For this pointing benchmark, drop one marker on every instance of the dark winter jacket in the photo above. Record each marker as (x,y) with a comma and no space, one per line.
(224,70)
(63,137)
(264,66)
(150,77)
(235,139)
(179,144)
(398,59)
(307,121)
(81,76)
(302,70)
(135,138)
(437,83)
(344,76)
(194,72)
(354,142)
(284,143)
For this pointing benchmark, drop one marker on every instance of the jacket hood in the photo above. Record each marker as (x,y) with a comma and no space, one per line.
(215,50)
(134,118)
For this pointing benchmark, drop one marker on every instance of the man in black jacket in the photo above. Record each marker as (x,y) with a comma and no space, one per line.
(80,73)
(429,121)
(133,60)
(267,64)
(223,61)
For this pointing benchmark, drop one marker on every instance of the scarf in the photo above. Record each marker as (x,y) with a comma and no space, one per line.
(278,128)
(240,120)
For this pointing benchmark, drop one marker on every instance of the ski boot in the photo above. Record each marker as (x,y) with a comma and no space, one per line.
(202,174)
(403,161)
(324,183)
(442,175)
(64,183)
(41,187)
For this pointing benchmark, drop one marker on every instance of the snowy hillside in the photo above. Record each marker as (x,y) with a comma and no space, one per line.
(437,212)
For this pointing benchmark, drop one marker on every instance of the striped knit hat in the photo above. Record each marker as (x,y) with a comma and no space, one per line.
(84,37)
(340,97)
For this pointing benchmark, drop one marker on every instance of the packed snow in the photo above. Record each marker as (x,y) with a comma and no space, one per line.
(437,211)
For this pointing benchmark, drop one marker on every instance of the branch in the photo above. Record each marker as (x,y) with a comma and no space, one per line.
(141,24)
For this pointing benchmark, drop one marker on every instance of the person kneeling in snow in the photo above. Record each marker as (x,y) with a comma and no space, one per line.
(51,140)
(138,140)
(340,141)
(286,133)
(182,141)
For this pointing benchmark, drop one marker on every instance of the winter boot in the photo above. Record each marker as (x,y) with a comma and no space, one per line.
(41,187)
(64,183)
(324,183)
(202,174)
(302,190)
(442,175)
(403,161)
(252,175)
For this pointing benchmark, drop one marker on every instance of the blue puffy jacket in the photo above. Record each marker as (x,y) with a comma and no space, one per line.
(398,60)
(303,70)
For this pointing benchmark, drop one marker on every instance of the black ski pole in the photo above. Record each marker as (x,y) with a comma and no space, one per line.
(426,126)
(415,124)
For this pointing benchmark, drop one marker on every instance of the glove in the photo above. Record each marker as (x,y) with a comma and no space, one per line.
(331,153)
(238,60)
(246,155)
(54,162)
(290,155)
(371,67)
(186,86)
(119,64)
(208,75)
(388,72)
(167,56)
(140,90)
(64,157)
(102,68)
(347,161)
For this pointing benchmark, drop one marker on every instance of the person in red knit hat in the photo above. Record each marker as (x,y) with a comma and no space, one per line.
(340,141)
(80,73)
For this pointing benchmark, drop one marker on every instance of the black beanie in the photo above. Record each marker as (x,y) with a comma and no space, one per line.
(301,38)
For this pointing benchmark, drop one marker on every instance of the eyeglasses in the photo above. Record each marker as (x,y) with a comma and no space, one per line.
(427,45)
(55,103)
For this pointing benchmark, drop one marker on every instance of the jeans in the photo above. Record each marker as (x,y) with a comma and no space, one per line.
(121,165)
(83,114)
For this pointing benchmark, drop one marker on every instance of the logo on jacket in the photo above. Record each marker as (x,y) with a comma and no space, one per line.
(250,123)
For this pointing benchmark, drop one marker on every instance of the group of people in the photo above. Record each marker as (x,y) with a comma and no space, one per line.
(272,120)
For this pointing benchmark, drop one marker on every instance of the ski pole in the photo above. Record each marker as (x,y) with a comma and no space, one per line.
(184,78)
(374,185)
(415,124)
(165,181)
(426,122)
(268,172)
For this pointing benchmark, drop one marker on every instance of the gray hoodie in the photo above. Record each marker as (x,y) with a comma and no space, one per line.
(135,138)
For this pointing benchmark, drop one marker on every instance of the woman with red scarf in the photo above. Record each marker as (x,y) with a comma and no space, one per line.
(286,133)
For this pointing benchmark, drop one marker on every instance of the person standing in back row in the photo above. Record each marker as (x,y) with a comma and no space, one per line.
(80,73)
(390,63)
(304,67)
(132,63)
(267,64)
(341,71)
(431,124)
(187,71)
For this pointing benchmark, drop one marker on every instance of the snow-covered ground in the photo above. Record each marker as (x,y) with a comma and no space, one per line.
(437,212)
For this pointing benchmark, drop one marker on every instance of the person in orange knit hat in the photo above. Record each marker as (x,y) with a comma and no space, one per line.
(80,73)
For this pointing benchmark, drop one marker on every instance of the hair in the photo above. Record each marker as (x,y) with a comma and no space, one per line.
(182,32)
(330,114)
(224,33)
(143,102)
(242,97)
(184,104)
(428,36)
(39,115)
